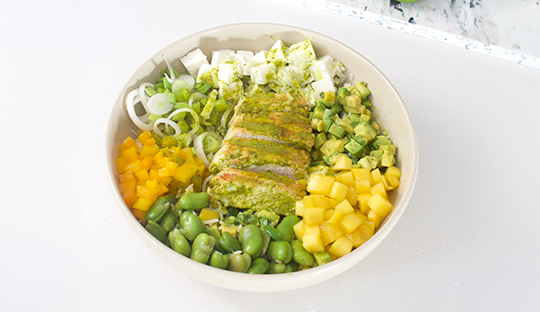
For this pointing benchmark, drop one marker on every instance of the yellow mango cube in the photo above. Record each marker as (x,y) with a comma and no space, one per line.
(350,222)
(336,216)
(387,186)
(328,213)
(351,197)
(379,189)
(370,226)
(361,215)
(343,163)
(345,177)
(375,218)
(299,229)
(319,184)
(329,232)
(341,247)
(393,181)
(299,208)
(363,186)
(338,191)
(376,176)
(320,201)
(331,203)
(311,240)
(380,205)
(361,174)
(359,236)
(313,215)
(345,206)
(393,171)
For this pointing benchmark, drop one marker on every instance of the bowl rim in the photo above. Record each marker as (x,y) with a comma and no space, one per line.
(248,282)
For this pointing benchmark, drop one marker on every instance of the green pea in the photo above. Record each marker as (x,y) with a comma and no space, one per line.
(239,262)
(258,266)
(168,222)
(300,255)
(229,243)
(219,260)
(194,201)
(272,232)
(322,257)
(202,248)
(251,239)
(158,209)
(285,227)
(156,230)
(179,243)
(279,251)
(276,268)
(191,225)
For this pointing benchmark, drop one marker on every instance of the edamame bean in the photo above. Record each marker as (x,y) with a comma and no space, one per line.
(239,262)
(266,241)
(279,251)
(219,260)
(291,267)
(276,268)
(179,243)
(214,231)
(168,222)
(285,227)
(300,255)
(158,209)
(202,248)
(251,239)
(191,225)
(229,243)
(258,266)
(194,201)
(272,232)
(156,230)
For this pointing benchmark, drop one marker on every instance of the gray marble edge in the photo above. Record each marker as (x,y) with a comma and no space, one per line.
(424,32)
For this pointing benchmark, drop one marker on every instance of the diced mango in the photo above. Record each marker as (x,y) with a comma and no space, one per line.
(319,184)
(343,163)
(387,186)
(393,171)
(313,215)
(345,177)
(299,208)
(345,206)
(361,174)
(299,229)
(379,189)
(328,213)
(336,216)
(338,191)
(376,176)
(341,247)
(363,186)
(394,181)
(311,240)
(370,226)
(350,222)
(329,232)
(351,197)
(380,205)
(362,202)
(375,218)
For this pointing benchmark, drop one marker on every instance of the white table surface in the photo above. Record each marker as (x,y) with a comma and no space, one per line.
(469,240)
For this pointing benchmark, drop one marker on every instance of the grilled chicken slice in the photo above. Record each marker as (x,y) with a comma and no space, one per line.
(272,103)
(256,190)
(259,156)
(286,128)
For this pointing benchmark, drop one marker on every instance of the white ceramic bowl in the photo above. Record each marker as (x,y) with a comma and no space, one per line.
(390,109)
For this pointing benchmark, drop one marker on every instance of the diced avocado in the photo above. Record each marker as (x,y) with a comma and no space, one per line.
(360,139)
(320,139)
(353,104)
(317,124)
(354,148)
(328,113)
(335,109)
(318,111)
(365,117)
(362,89)
(322,258)
(389,149)
(332,146)
(326,124)
(347,126)
(336,130)
(368,162)
(365,130)
(377,154)
(342,94)
(387,160)
(367,103)
(375,126)
(329,97)
(378,141)
(355,118)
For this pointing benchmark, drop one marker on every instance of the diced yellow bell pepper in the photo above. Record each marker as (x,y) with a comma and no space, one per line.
(143,204)
(144,135)
(121,164)
(208,214)
(134,166)
(140,214)
(130,154)
(185,172)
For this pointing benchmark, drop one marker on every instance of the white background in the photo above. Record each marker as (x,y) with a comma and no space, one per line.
(469,240)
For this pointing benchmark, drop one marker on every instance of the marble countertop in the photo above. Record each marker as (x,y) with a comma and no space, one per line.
(504,29)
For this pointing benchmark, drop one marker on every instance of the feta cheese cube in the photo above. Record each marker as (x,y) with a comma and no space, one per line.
(323,68)
(232,91)
(228,72)
(323,85)
(262,74)
(203,69)
(221,56)
(193,61)
(259,58)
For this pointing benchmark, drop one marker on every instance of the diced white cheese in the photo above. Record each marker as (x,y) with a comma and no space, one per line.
(203,69)
(302,54)
(323,85)
(323,68)
(247,55)
(228,72)
(259,58)
(221,56)
(232,91)
(193,61)
(277,54)
(244,59)
(261,74)
(279,44)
